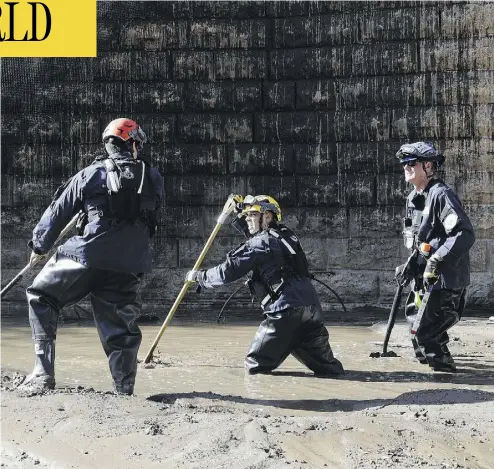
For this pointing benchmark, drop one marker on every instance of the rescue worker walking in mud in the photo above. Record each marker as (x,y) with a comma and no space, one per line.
(118,195)
(435,216)
(280,280)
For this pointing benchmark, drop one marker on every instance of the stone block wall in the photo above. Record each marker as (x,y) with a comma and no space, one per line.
(306,101)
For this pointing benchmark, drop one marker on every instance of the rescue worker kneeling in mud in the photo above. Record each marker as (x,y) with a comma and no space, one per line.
(293,322)
(118,196)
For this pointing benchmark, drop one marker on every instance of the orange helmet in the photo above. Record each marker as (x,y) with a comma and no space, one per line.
(125,130)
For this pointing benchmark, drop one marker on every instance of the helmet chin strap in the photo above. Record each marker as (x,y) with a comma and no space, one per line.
(268,226)
(261,220)
(134,150)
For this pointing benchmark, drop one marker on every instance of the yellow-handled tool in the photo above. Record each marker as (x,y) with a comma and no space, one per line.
(227,209)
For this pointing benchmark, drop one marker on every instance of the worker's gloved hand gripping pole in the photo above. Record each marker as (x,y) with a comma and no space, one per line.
(227,209)
(35,261)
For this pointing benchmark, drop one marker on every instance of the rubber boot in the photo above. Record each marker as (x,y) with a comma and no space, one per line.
(124,389)
(443,363)
(42,378)
(332,370)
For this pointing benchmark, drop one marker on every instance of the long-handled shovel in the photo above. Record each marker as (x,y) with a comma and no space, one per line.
(392,314)
(30,265)
(227,209)
(391,323)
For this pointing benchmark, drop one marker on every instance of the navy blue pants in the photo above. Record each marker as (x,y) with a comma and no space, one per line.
(444,309)
(116,306)
(298,331)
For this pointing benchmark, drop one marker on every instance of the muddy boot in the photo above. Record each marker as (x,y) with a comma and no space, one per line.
(42,378)
(124,389)
(332,370)
(422,360)
(443,363)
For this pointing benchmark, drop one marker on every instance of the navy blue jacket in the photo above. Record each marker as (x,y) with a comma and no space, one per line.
(263,256)
(442,222)
(105,244)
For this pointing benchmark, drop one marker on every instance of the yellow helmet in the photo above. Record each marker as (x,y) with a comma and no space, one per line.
(261,203)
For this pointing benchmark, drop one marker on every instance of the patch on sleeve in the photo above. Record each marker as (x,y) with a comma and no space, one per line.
(450,222)
(426,210)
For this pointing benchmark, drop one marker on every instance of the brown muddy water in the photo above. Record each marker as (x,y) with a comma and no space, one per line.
(195,408)
(209,358)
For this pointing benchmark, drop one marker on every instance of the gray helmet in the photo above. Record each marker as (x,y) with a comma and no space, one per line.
(420,151)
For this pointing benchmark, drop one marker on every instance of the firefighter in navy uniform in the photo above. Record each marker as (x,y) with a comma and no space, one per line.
(118,196)
(280,280)
(434,215)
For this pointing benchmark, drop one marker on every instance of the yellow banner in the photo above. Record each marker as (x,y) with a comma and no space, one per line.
(48,28)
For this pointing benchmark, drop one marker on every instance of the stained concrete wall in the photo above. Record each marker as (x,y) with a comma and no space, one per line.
(307,101)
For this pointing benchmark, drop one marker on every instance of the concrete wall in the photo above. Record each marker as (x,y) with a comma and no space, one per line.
(306,101)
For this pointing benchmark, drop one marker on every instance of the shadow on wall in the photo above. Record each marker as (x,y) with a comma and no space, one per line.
(427,397)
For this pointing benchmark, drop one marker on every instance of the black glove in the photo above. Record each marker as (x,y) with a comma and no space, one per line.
(404,273)
(431,275)
(408,271)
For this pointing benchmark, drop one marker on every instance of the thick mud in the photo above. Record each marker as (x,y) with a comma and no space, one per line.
(195,408)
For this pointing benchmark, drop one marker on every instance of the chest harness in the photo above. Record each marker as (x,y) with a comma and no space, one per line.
(414,215)
(295,265)
(130,194)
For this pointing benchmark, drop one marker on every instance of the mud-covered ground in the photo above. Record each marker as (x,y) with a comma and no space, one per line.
(195,408)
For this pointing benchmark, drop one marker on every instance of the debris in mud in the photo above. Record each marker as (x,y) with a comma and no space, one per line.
(17,379)
(184,403)
(485,343)
(154,428)
(190,419)
(155,360)
(30,390)
(275,452)
(422,413)
(396,454)
(389,353)
(256,436)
